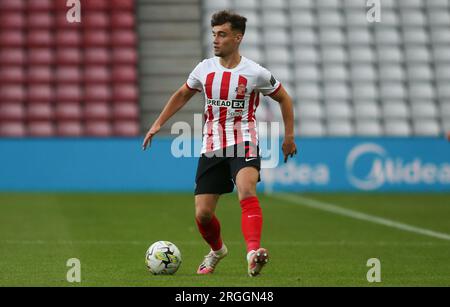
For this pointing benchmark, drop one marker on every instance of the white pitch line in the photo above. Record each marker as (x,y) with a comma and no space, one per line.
(320,205)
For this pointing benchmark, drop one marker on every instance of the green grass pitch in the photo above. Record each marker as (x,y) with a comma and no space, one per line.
(110,233)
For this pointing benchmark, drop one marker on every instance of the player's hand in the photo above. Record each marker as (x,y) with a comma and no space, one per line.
(148,137)
(289,148)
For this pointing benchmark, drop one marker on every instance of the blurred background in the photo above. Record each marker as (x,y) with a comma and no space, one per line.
(110,75)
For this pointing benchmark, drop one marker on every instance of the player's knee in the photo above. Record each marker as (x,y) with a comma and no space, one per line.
(246,191)
(204,217)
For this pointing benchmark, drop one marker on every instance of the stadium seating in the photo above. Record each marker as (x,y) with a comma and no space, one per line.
(68,79)
(349,76)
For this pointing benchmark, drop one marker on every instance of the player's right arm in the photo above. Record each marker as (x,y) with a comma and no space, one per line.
(175,103)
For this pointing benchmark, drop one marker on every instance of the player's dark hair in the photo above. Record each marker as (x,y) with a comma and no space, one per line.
(237,21)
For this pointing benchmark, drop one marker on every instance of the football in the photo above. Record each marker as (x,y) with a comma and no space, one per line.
(163,258)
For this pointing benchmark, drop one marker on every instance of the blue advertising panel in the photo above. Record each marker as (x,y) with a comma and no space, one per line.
(322,164)
(373,164)
(93,165)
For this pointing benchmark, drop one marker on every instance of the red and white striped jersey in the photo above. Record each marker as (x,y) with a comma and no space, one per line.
(231,100)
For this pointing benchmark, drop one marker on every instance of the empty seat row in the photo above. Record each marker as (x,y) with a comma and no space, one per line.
(324,4)
(356,54)
(68,74)
(68,92)
(368,72)
(63,55)
(70,128)
(338,55)
(47,20)
(368,90)
(334,37)
(366,110)
(47,5)
(68,110)
(60,38)
(369,128)
(366,54)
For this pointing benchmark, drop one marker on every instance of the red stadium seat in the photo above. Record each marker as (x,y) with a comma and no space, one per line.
(97,74)
(97,92)
(97,56)
(40,20)
(61,6)
(123,38)
(42,5)
(40,38)
(40,93)
(41,129)
(97,110)
(68,74)
(40,111)
(122,5)
(68,37)
(68,111)
(12,74)
(125,110)
(98,128)
(126,128)
(68,56)
(97,5)
(12,38)
(124,73)
(126,92)
(11,111)
(12,129)
(40,56)
(12,92)
(95,20)
(68,93)
(12,20)
(124,56)
(12,56)
(93,38)
(40,74)
(70,128)
(12,5)
(122,20)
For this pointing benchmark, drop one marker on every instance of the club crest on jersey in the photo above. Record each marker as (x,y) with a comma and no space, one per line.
(241,89)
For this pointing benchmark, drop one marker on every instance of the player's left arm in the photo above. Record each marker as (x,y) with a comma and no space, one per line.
(287,110)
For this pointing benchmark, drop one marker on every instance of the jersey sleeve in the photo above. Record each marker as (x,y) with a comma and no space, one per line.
(194,81)
(267,84)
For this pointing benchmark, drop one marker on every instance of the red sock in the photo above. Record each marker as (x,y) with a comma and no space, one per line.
(252,221)
(211,233)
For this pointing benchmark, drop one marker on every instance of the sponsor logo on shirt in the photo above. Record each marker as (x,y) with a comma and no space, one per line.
(234,103)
